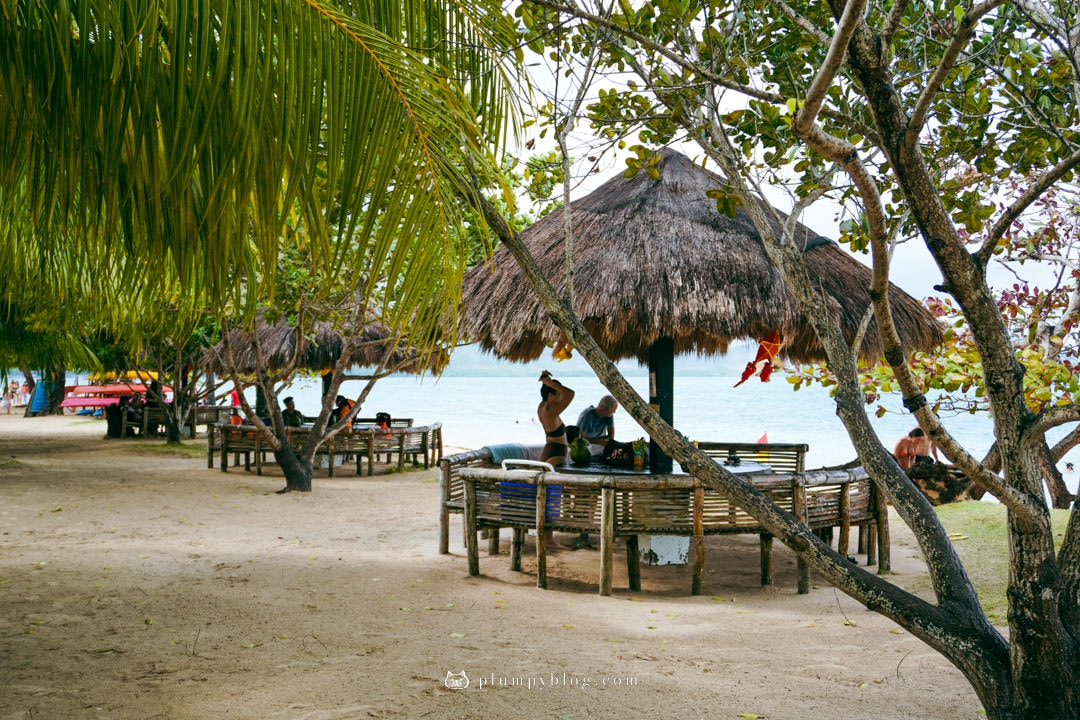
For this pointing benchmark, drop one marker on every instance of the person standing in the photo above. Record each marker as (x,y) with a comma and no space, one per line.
(554,398)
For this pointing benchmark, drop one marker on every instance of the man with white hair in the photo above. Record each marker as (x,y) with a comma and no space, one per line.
(596,424)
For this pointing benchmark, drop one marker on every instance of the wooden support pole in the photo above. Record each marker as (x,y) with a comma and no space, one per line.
(800,513)
(765,541)
(541,528)
(633,562)
(882,506)
(607,538)
(844,540)
(697,541)
(516,543)
(471,545)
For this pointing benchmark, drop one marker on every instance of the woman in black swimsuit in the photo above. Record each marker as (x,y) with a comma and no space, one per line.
(554,398)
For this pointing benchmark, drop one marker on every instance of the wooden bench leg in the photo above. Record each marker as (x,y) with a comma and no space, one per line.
(804,576)
(697,541)
(472,547)
(884,561)
(844,539)
(515,548)
(493,541)
(799,507)
(765,540)
(607,538)
(541,530)
(444,527)
(633,562)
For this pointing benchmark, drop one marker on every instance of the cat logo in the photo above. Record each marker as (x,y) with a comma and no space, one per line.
(456,682)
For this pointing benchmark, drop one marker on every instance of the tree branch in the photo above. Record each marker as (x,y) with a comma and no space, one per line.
(964,31)
(662,50)
(1022,203)
(892,22)
(807,114)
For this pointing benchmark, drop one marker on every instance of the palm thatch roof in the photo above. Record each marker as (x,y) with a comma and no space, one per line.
(322,349)
(654,258)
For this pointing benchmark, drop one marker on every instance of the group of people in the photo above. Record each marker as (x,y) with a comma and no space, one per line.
(14,394)
(294,418)
(126,416)
(595,423)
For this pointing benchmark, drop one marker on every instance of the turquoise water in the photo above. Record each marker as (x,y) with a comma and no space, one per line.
(481,401)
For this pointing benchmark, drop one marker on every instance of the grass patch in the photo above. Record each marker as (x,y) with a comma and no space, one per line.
(9,463)
(174,450)
(979,534)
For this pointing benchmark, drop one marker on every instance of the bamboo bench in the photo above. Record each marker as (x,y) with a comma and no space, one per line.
(208,415)
(619,506)
(407,441)
(784,457)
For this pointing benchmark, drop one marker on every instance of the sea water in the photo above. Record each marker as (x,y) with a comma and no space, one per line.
(482,401)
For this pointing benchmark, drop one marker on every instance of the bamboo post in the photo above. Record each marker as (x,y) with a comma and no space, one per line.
(800,512)
(211,431)
(516,541)
(607,538)
(882,507)
(541,544)
(765,544)
(697,542)
(633,562)
(845,520)
(471,547)
(444,511)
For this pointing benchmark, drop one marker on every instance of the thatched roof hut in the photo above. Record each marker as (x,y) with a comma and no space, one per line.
(322,349)
(654,259)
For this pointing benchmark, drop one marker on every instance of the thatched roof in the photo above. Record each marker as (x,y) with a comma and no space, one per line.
(655,258)
(322,350)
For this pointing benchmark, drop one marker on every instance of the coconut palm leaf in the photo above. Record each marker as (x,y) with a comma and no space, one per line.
(195,133)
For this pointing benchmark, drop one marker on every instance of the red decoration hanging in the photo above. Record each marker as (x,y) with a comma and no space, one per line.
(762,364)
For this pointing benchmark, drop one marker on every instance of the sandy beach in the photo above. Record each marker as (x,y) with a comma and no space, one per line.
(136,583)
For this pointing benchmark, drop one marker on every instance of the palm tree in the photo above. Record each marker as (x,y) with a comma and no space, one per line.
(178,142)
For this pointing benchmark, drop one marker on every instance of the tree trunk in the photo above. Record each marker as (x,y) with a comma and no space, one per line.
(31,384)
(297,472)
(174,427)
(57,384)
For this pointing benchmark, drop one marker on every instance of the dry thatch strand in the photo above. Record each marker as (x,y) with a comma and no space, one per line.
(654,258)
